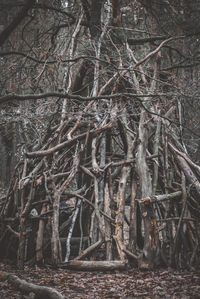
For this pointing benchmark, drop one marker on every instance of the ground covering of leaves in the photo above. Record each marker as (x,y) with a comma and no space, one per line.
(127,284)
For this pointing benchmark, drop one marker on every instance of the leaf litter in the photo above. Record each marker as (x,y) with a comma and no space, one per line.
(127,284)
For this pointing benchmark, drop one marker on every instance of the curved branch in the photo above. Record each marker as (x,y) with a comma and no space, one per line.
(2,54)
(156,50)
(28,287)
(61,95)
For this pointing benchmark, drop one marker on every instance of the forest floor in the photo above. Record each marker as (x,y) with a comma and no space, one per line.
(163,283)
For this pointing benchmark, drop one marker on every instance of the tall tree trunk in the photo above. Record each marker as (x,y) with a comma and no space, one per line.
(55,240)
(150,228)
(108,231)
(21,248)
(133,217)
(121,194)
(39,240)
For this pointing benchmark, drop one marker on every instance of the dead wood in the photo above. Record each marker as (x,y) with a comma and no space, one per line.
(95,265)
(89,250)
(68,142)
(191,177)
(151,244)
(159,198)
(130,254)
(25,287)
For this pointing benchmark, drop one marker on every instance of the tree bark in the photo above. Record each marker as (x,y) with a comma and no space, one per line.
(39,240)
(108,236)
(150,228)
(21,248)
(133,218)
(55,240)
(122,193)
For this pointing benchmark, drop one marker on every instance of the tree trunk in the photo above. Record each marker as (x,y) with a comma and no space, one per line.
(108,236)
(39,240)
(133,218)
(150,228)
(55,240)
(21,248)
(121,194)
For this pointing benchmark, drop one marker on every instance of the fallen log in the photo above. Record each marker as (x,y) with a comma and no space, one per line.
(33,290)
(95,265)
